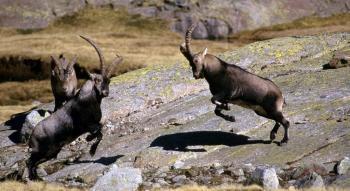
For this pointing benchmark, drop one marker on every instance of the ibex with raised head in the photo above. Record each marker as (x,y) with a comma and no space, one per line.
(229,83)
(80,115)
(63,80)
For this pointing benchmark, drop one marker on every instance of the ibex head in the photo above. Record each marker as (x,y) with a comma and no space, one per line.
(62,71)
(101,81)
(196,60)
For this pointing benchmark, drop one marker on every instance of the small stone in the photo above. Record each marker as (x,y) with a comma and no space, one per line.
(163,169)
(179,179)
(312,181)
(206,180)
(156,185)
(229,171)
(216,165)
(266,177)
(238,172)
(162,182)
(119,179)
(241,179)
(178,164)
(343,166)
(307,169)
(146,184)
(162,175)
(248,168)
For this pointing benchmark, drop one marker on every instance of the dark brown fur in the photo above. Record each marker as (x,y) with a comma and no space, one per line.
(80,115)
(229,83)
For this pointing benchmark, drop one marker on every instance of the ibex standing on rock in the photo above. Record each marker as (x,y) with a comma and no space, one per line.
(63,80)
(231,84)
(81,114)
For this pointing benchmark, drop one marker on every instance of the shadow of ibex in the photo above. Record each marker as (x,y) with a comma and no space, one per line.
(180,141)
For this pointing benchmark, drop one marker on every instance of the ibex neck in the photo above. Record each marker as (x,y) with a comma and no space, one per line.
(88,94)
(213,67)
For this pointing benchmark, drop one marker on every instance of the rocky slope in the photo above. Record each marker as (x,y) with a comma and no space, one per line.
(160,120)
(218,18)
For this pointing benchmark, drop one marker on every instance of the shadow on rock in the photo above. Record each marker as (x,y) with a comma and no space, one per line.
(103,160)
(180,141)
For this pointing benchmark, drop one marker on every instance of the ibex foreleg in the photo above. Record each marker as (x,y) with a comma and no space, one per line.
(218,100)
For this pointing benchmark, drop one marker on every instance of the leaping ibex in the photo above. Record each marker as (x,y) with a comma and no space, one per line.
(63,80)
(81,114)
(229,83)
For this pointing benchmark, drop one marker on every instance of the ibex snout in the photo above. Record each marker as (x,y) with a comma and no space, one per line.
(105,93)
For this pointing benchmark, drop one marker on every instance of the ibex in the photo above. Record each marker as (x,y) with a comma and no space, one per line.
(229,83)
(80,115)
(63,80)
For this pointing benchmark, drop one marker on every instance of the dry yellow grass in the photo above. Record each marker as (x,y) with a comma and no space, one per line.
(33,186)
(42,186)
(241,188)
(304,26)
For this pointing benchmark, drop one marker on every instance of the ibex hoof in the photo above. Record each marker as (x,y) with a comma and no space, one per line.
(93,149)
(225,106)
(283,142)
(231,118)
(272,136)
(90,138)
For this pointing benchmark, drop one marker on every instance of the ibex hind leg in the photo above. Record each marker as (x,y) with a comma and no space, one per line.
(94,146)
(278,116)
(275,128)
(32,163)
(274,131)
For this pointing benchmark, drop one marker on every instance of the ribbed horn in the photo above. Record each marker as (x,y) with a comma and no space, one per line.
(188,37)
(99,52)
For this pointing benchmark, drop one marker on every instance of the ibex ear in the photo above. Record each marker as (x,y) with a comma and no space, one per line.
(111,68)
(91,76)
(54,62)
(204,52)
(183,48)
(73,61)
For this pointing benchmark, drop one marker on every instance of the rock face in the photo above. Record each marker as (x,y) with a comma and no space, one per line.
(217,18)
(119,179)
(158,115)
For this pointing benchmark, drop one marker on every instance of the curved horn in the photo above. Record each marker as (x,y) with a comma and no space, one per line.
(188,37)
(99,52)
(57,62)
(111,68)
